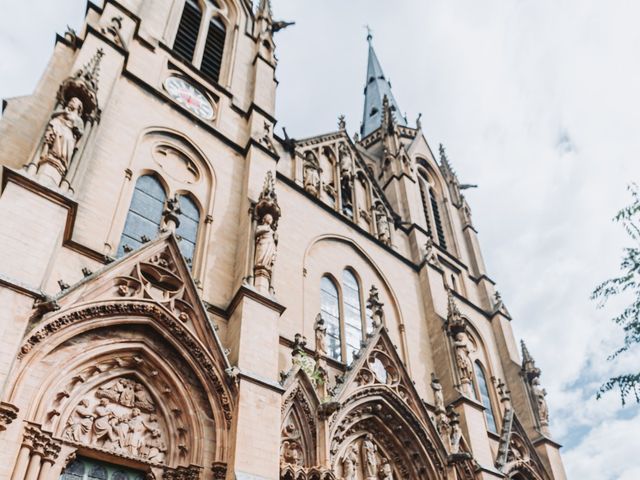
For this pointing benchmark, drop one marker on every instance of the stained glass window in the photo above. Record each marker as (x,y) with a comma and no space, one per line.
(145,214)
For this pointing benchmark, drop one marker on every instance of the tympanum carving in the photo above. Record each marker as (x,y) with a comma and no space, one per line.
(119,416)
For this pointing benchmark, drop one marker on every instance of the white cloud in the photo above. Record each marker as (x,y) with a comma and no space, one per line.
(506,86)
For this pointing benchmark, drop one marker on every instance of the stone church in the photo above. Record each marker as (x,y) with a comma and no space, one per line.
(186,294)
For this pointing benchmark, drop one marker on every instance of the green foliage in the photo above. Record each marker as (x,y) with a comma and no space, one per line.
(628,281)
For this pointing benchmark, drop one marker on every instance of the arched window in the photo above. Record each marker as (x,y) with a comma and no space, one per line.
(145,214)
(431,209)
(187,231)
(483,391)
(89,469)
(438,220)
(352,313)
(344,316)
(209,40)
(75,471)
(330,310)
(187,36)
(213,49)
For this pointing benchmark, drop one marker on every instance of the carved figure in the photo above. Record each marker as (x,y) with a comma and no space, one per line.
(321,336)
(80,423)
(349,463)
(369,450)
(155,447)
(62,135)
(382,222)
(463,361)
(142,398)
(346,162)
(311,174)
(103,429)
(456,436)
(539,395)
(386,472)
(292,453)
(437,393)
(127,395)
(265,255)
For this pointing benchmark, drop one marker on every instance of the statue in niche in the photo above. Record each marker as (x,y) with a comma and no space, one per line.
(539,395)
(311,171)
(103,426)
(456,434)
(463,360)
(267,213)
(386,472)
(321,336)
(265,244)
(80,423)
(62,134)
(349,464)
(369,450)
(382,222)
(292,453)
(346,163)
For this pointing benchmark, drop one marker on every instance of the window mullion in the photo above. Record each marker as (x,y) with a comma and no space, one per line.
(207,12)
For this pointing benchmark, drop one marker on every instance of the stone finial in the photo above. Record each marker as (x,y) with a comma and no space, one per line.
(529,368)
(171,214)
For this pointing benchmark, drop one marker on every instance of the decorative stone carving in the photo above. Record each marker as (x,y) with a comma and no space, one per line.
(346,163)
(437,393)
(430,255)
(342,123)
(321,336)
(456,433)
(531,373)
(311,172)
(64,130)
(369,458)
(112,30)
(463,361)
(191,472)
(112,418)
(382,224)
(350,463)
(386,472)
(267,213)
(171,214)
(8,413)
(77,104)
(374,305)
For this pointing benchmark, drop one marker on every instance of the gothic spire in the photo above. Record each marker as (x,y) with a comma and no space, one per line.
(376,88)
(264,10)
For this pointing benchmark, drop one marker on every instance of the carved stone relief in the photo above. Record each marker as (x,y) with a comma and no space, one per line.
(364,460)
(119,416)
(311,173)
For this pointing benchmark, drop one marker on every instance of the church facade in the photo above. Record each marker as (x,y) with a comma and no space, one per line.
(187,295)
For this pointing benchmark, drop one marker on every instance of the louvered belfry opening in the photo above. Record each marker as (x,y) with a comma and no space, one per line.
(436,216)
(213,49)
(425,208)
(187,36)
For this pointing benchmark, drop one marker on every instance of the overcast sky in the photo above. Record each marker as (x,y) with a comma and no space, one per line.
(537,101)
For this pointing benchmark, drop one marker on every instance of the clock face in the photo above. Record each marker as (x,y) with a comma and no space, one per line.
(189,97)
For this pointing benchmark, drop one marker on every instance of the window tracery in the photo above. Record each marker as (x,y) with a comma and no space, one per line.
(484,397)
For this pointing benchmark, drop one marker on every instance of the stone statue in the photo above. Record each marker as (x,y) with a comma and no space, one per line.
(349,463)
(311,171)
(62,134)
(463,361)
(292,453)
(80,423)
(382,222)
(155,447)
(369,450)
(456,436)
(265,255)
(374,305)
(437,393)
(386,472)
(346,162)
(127,395)
(539,395)
(321,336)
(103,428)
(134,441)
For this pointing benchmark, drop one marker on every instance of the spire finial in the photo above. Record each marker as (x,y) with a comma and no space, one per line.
(369,34)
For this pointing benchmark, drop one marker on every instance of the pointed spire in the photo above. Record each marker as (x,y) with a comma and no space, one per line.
(377,87)
(528,363)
